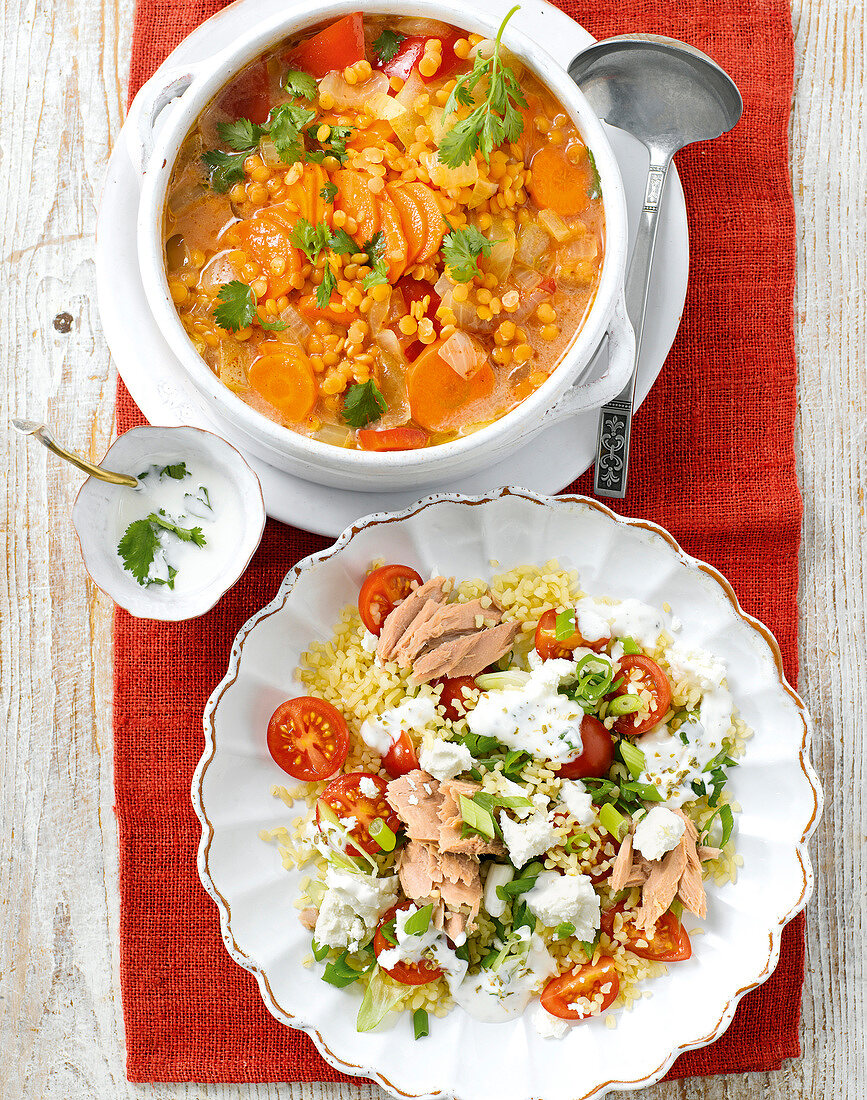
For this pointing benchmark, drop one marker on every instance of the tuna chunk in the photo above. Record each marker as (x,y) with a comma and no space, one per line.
(438,620)
(415,798)
(690,890)
(621,869)
(678,873)
(450,816)
(426,873)
(308,918)
(453,924)
(397,623)
(465,655)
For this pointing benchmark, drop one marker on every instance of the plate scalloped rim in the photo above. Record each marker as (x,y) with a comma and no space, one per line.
(600,1088)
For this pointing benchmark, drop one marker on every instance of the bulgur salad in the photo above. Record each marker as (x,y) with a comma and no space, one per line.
(511,790)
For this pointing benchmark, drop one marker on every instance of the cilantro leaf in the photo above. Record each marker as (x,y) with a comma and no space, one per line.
(301,84)
(594,191)
(461,250)
(224,169)
(137,548)
(374,249)
(386,46)
(333,146)
(177,470)
(328,192)
(242,135)
(363,404)
(342,243)
(497,119)
(285,127)
(377,277)
(311,239)
(326,287)
(185,534)
(237,308)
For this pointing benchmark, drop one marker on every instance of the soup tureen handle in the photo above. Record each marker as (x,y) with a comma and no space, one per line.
(620,350)
(152,99)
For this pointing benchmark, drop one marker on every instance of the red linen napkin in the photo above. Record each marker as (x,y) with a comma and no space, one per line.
(713,462)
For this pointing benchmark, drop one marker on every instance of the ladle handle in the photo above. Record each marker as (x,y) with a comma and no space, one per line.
(615,419)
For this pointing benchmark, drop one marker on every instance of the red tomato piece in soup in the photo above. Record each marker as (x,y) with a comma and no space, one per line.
(670,941)
(308,738)
(407,973)
(401,757)
(336,47)
(249,95)
(411,51)
(549,646)
(404,438)
(382,590)
(579,985)
(349,796)
(644,673)
(597,752)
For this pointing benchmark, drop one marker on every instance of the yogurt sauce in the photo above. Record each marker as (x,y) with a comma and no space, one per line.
(189,496)
(624,618)
(502,994)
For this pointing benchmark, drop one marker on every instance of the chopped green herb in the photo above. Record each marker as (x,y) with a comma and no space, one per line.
(285,128)
(565,930)
(326,287)
(380,832)
(328,192)
(319,952)
(593,681)
(564,626)
(497,119)
(389,931)
(363,404)
(476,818)
(341,974)
(727,823)
(589,946)
(716,770)
(333,146)
(419,922)
(520,885)
(137,548)
(242,135)
(185,534)
(342,243)
(301,84)
(594,191)
(237,308)
(224,169)
(177,470)
(461,249)
(387,45)
(420,1023)
(377,277)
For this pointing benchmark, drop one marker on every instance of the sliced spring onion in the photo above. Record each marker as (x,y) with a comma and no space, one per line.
(677,908)
(419,922)
(564,626)
(389,932)
(513,801)
(381,995)
(420,1023)
(340,858)
(319,952)
(497,681)
(381,833)
(633,757)
(727,823)
(612,821)
(624,704)
(629,645)
(565,930)
(576,842)
(341,974)
(477,817)
(520,885)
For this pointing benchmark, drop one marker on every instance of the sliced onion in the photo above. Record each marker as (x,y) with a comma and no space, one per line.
(352,95)
(233,360)
(532,243)
(218,270)
(462,354)
(298,327)
(443,286)
(338,435)
(554,225)
(409,25)
(183,196)
(526,279)
(392,380)
(405,125)
(499,263)
(269,153)
(385,106)
(467,318)
(465,175)
(482,191)
(377,315)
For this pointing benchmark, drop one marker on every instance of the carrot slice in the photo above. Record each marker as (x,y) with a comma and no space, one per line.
(412,218)
(557,184)
(357,201)
(395,243)
(436,226)
(439,399)
(265,239)
(337,309)
(377,134)
(282,375)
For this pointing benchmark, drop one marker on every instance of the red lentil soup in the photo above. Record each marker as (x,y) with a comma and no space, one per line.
(383,234)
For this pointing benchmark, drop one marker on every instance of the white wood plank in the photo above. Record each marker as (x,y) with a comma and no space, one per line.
(62,79)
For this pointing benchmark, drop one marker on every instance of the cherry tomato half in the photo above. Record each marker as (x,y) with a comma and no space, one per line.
(249,95)
(548,645)
(308,738)
(453,693)
(401,757)
(670,941)
(651,678)
(581,981)
(597,752)
(345,796)
(411,51)
(336,47)
(382,591)
(408,973)
(404,438)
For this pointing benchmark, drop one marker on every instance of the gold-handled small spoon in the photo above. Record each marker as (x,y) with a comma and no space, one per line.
(43,434)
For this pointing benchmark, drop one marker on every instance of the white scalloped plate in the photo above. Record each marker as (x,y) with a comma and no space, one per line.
(775,784)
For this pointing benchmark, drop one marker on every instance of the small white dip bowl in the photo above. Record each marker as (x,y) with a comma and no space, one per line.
(102,512)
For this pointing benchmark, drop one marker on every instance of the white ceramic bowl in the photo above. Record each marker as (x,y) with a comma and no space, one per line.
(173,102)
(97,508)
(690,1006)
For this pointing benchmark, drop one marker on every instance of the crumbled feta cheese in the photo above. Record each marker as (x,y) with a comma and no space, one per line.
(577,800)
(445,759)
(535,716)
(558,898)
(658,832)
(694,667)
(380,731)
(498,875)
(369,642)
(368,788)
(532,837)
(548,1026)
(515,790)
(352,906)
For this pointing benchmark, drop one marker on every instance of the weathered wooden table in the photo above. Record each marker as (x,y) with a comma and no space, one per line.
(62,85)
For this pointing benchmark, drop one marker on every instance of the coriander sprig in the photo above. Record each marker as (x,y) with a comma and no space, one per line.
(238,307)
(285,127)
(462,249)
(497,119)
(386,46)
(363,404)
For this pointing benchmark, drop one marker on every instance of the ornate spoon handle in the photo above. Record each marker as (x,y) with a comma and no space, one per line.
(43,434)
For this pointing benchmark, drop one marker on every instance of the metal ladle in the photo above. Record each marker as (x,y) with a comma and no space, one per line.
(667,94)
(43,434)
